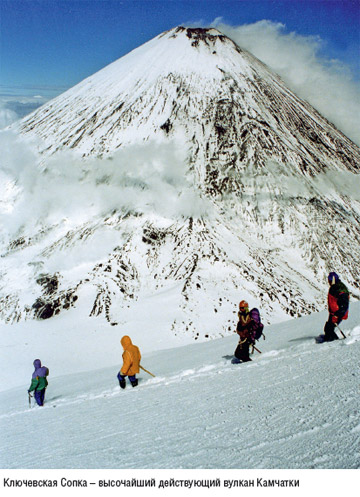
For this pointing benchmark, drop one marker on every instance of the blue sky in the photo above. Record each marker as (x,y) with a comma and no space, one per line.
(53,44)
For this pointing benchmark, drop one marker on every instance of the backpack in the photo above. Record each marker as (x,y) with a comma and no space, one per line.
(258,326)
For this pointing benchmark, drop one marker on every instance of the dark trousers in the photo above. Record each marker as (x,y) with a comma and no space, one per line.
(242,351)
(329,330)
(39,396)
(133,380)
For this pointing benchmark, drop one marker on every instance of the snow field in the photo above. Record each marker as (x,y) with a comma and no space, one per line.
(294,406)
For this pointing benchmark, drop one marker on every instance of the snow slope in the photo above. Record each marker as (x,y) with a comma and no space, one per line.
(296,405)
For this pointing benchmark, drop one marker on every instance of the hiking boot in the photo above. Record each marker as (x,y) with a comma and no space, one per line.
(121,379)
(134,383)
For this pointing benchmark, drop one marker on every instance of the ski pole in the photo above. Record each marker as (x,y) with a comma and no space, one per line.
(29,399)
(341,331)
(257,350)
(146,371)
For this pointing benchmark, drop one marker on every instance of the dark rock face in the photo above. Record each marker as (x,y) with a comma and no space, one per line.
(52,302)
(49,283)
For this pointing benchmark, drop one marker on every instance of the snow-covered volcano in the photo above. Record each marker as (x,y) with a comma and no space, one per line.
(238,189)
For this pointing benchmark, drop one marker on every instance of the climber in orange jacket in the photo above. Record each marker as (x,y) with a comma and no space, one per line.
(131,362)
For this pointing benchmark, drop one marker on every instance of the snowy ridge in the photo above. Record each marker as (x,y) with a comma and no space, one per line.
(214,182)
(294,406)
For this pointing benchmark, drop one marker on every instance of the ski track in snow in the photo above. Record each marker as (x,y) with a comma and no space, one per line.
(291,407)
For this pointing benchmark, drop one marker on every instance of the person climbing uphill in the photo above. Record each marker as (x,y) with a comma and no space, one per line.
(249,328)
(338,306)
(131,362)
(39,382)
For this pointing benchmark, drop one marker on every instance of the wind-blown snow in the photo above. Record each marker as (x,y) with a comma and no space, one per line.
(296,405)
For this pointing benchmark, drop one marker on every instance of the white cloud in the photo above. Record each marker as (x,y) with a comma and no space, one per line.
(326,84)
(148,178)
(7,117)
(14,107)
